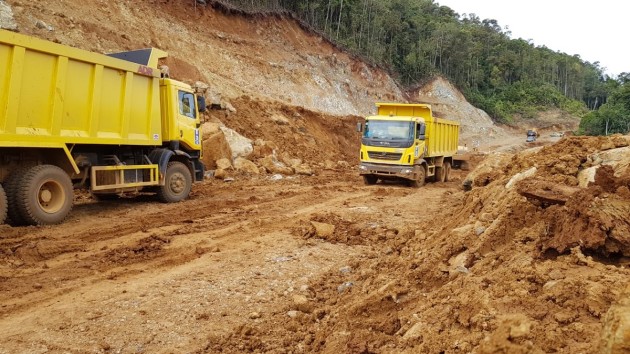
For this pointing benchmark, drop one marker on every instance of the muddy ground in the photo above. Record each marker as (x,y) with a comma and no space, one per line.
(325,264)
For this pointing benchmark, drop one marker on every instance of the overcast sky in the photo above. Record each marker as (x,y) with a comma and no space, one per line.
(595,30)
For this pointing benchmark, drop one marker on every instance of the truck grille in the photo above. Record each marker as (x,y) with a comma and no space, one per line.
(392,156)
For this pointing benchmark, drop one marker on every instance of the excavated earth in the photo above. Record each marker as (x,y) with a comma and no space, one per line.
(529,252)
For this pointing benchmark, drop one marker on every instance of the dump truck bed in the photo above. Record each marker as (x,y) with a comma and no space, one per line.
(52,94)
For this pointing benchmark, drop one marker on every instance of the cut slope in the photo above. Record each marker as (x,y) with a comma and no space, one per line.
(270,57)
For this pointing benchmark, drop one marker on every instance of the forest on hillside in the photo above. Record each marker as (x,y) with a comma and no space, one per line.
(418,39)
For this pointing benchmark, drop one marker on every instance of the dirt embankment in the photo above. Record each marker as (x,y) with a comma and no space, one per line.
(526,262)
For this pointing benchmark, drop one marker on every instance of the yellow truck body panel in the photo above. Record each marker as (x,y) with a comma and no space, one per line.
(51,95)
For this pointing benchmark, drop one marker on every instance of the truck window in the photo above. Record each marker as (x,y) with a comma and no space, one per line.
(186,104)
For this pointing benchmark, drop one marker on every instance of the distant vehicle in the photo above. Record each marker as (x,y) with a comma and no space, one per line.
(532,134)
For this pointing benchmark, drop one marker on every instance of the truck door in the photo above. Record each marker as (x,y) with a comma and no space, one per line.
(188,120)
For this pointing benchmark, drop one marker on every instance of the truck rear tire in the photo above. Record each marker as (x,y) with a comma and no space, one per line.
(440,174)
(419,182)
(3,205)
(11,186)
(177,183)
(447,171)
(44,196)
(370,179)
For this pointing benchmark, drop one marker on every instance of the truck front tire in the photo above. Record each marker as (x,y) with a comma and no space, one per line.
(43,196)
(420,177)
(177,183)
(3,206)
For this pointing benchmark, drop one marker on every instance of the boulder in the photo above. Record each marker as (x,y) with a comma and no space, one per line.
(224,164)
(272,165)
(220,174)
(215,147)
(244,165)
(240,145)
(323,230)
(6,17)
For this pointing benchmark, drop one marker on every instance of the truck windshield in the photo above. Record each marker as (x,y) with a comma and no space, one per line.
(388,130)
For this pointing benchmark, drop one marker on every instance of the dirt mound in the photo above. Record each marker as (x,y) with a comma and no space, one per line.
(506,271)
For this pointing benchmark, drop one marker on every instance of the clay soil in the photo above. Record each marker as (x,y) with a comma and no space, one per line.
(319,263)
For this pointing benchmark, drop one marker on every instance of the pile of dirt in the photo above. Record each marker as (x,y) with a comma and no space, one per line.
(510,270)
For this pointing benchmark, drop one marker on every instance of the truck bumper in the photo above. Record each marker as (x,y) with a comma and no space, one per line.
(384,171)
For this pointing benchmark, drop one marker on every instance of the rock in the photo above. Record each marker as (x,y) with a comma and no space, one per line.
(200,87)
(272,165)
(416,331)
(587,176)
(279,119)
(276,177)
(42,25)
(323,230)
(343,287)
(240,145)
(329,165)
(6,17)
(520,176)
(228,106)
(263,148)
(165,71)
(301,303)
(289,161)
(220,174)
(224,164)
(244,165)
(343,164)
(292,313)
(304,170)
(255,315)
(215,146)
(345,270)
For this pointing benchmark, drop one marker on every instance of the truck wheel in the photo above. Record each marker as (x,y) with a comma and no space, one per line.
(11,186)
(440,174)
(447,171)
(177,184)
(419,182)
(370,179)
(44,195)
(3,206)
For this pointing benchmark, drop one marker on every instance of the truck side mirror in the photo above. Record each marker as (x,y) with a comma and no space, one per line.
(201,104)
(359,127)
(421,131)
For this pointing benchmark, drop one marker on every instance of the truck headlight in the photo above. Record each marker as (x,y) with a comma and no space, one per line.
(362,168)
(407,171)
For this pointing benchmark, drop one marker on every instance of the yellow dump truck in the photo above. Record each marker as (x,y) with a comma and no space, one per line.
(405,141)
(73,118)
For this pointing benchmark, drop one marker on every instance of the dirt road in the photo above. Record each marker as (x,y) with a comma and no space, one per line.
(138,276)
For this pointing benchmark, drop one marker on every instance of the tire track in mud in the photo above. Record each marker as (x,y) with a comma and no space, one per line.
(112,243)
